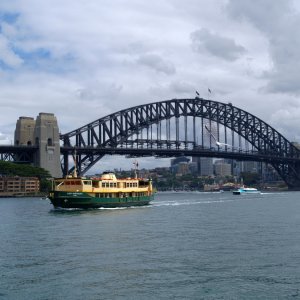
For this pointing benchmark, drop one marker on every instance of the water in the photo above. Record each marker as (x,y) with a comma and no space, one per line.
(183,246)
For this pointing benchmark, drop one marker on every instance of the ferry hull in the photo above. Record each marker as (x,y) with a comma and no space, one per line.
(85,201)
(236,192)
(239,192)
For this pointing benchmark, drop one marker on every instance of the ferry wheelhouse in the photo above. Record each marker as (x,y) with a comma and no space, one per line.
(105,191)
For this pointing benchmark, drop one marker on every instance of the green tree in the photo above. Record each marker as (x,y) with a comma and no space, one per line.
(250,178)
(24,170)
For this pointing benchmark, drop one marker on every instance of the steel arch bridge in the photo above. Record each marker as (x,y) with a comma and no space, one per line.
(194,127)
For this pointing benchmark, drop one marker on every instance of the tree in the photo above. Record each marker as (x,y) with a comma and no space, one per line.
(250,178)
(23,170)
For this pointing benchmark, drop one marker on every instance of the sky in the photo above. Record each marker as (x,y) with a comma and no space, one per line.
(83,60)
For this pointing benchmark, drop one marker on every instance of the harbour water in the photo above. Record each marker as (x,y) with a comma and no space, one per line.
(183,246)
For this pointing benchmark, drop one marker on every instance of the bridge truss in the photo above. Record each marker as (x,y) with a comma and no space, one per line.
(194,127)
(19,154)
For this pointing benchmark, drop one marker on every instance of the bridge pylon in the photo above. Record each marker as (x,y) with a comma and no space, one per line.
(43,133)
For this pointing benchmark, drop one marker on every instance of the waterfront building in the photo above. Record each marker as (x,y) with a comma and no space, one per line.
(19,185)
(193,168)
(176,161)
(246,166)
(183,168)
(222,168)
(205,166)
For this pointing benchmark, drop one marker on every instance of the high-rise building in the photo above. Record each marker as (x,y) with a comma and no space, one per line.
(176,161)
(222,168)
(205,165)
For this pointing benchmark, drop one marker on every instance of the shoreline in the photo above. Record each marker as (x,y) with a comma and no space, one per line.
(22,195)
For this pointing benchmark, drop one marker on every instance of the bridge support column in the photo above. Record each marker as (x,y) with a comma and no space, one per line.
(24,131)
(66,165)
(46,136)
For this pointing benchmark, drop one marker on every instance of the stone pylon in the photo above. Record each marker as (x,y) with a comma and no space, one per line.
(44,133)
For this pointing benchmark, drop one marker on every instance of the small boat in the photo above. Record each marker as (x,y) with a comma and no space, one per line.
(105,191)
(245,190)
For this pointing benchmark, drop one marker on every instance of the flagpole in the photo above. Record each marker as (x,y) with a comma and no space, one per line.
(208,92)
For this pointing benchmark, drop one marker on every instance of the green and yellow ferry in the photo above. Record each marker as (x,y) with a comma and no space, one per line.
(105,191)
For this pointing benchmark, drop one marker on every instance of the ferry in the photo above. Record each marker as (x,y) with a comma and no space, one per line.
(105,191)
(245,190)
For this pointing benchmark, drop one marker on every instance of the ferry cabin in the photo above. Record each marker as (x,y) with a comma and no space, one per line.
(107,186)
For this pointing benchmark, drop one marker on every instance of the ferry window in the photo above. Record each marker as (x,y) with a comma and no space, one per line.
(87,182)
(103,184)
(95,184)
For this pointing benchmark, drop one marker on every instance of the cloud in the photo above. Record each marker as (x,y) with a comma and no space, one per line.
(289,121)
(157,63)
(97,91)
(2,137)
(216,45)
(7,56)
(4,140)
(280,24)
(262,13)
(182,87)
(86,59)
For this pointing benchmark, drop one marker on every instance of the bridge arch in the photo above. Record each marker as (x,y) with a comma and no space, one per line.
(115,130)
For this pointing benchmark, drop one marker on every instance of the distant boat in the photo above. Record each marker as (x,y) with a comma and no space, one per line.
(245,190)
